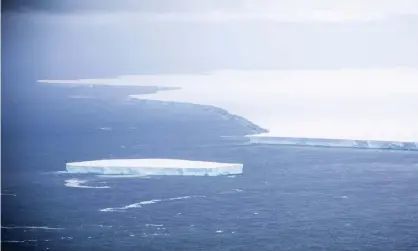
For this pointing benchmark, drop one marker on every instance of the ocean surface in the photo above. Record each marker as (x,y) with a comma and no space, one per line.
(288,198)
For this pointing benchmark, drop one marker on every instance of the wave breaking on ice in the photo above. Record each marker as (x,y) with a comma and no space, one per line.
(80,184)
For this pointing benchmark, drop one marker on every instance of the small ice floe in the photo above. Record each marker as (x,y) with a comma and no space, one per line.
(154,225)
(219,231)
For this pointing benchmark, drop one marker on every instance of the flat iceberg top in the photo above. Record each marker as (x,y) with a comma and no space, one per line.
(151,163)
(146,167)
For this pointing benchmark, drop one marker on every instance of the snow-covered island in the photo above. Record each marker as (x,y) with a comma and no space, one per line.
(154,167)
(355,108)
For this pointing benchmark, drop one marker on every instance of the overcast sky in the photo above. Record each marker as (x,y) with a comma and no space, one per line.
(65,38)
(283,10)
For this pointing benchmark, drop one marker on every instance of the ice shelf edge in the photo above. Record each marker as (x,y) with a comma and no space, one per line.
(340,143)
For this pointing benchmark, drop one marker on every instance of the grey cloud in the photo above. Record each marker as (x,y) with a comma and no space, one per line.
(69,6)
(217,10)
(186,6)
(112,43)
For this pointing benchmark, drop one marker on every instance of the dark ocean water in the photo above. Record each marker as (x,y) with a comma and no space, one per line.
(289,198)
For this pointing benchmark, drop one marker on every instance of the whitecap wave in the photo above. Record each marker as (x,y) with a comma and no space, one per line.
(13,241)
(79,184)
(79,97)
(61,172)
(8,194)
(32,227)
(98,225)
(154,225)
(148,202)
(236,190)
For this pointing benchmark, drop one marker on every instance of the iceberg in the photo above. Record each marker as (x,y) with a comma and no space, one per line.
(147,167)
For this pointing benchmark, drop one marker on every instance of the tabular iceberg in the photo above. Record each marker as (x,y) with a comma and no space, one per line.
(154,167)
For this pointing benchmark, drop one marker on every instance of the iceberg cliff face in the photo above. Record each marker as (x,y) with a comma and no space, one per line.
(365,144)
(154,167)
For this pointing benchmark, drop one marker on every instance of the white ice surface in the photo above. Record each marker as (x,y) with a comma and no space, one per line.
(154,167)
(357,104)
